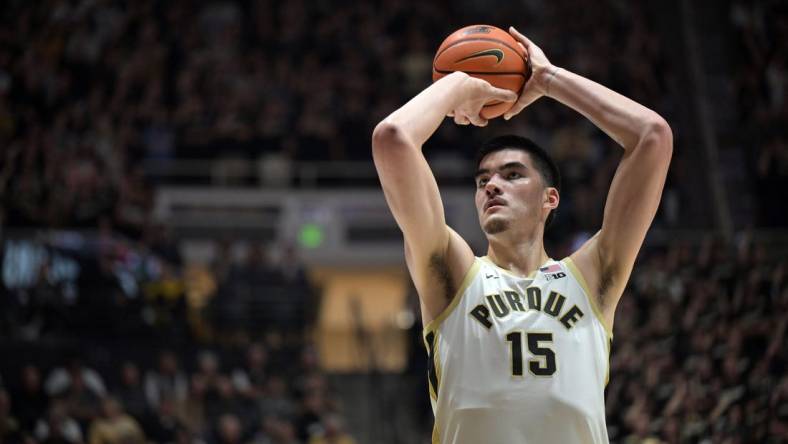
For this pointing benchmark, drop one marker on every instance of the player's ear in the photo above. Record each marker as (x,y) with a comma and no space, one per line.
(551,198)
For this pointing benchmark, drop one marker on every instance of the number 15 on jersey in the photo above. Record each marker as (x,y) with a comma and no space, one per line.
(539,344)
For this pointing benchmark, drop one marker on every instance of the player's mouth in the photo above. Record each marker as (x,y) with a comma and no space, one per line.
(494,202)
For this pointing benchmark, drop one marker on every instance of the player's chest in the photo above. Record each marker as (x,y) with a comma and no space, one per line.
(500,304)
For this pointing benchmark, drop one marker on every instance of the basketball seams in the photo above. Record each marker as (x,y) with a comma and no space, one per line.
(479,39)
(485,73)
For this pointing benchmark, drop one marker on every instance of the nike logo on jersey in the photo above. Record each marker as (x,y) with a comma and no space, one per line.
(497,53)
(488,276)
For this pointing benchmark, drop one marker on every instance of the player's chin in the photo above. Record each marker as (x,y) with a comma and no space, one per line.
(494,225)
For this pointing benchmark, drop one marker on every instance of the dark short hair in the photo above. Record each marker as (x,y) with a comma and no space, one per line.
(542,161)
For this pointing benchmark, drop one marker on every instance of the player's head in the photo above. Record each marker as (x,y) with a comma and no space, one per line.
(516,180)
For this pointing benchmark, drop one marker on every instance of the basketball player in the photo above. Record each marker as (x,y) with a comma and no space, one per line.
(518,341)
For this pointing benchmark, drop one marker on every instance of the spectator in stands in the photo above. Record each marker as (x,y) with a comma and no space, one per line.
(115,426)
(778,411)
(192,410)
(58,427)
(35,401)
(291,265)
(222,400)
(130,392)
(277,402)
(209,372)
(167,381)
(10,428)
(82,402)
(278,430)
(164,426)
(333,432)
(249,380)
(313,409)
(165,294)
(228,430)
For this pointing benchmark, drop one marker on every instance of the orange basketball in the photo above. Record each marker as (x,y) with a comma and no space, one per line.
(488,53)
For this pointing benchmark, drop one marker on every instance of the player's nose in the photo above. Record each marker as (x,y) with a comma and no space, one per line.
(491,188)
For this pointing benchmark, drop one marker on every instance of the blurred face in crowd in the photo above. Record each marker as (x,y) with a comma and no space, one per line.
(111,408)
(309,358)
(283,431)
(31,378)
(230,428)
(225,387)
(167,407)
(333,425)
(208,363)
(57,414)
(257,356)
(130,374)
(168,363)
(198,386)
(276,387)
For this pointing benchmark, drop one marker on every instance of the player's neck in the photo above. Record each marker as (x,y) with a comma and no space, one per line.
(520,257)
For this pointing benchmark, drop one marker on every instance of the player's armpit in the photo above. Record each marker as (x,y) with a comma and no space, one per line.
(437,277)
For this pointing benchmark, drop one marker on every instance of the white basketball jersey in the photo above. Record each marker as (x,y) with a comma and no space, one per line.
(518,360)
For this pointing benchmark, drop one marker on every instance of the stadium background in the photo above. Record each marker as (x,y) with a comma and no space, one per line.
(195,247)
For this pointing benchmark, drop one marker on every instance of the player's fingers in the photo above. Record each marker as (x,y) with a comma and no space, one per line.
(503,95)
(460,119)
(516,34)
(451,114)
(478,120)
(513,111)
(519,106)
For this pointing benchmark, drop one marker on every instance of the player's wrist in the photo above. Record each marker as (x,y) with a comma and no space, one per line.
(545,77)
(456,85)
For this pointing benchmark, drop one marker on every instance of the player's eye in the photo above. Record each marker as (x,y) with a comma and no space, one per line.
(514,175)
(482,181)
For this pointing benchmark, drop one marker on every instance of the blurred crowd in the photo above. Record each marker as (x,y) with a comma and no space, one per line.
(239,366)
(270,396)
(93,92)
(761,89)
(700,349)
(111,287)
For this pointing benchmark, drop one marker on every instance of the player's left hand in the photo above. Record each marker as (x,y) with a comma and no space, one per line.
(541,72)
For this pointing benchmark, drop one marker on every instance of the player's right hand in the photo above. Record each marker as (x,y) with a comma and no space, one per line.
(472,94)
(541,72)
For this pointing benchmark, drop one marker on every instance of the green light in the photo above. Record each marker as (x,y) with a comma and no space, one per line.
(311,235)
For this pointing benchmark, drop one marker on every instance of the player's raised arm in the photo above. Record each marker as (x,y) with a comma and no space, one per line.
(411,191)
(606,260)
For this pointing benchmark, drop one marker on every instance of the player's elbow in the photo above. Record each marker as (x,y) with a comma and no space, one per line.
(388,135)
(656,143)
(659,135)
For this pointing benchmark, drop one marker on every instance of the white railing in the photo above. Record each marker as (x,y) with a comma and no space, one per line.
(349,227)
